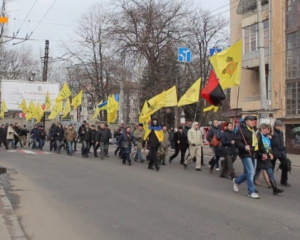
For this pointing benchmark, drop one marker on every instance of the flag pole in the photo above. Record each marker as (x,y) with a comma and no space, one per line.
(237,103)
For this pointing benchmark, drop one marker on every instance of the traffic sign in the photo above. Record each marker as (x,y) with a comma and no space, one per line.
(213,51)
(184,55)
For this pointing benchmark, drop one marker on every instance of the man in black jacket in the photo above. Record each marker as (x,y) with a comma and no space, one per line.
(86,137)
(247,145)
(3,134)
(110,136)
(229,150)
(94,144)
(102,137)
(52,136)
(180,141)
(59,137)
(279,152)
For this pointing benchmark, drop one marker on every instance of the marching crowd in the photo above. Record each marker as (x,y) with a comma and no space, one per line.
(258,149)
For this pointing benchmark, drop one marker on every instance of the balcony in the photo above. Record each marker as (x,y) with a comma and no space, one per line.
(251,103)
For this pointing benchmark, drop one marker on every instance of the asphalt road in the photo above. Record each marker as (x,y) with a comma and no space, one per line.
(59,197)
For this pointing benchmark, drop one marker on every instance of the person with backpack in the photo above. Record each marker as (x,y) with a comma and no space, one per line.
(214,143)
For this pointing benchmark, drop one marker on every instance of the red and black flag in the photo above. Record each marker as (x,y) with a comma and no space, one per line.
(213,92)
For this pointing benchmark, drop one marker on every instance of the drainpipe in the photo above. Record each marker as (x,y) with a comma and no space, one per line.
(270,57)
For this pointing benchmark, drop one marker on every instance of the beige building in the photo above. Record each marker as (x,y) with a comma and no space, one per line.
(281,21)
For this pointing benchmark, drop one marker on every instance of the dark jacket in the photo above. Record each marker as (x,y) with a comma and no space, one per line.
(86,135)
(35,133)
(109,134)
(52,131)
(93,135)
(278,148)
(262,164)
(212,131)
(182,137)
(240,143)
(59,134)
(24,132)
(226,138)
(42,134)
(3,134)
(153,141)
(103,135)
(81,132)
(130,139)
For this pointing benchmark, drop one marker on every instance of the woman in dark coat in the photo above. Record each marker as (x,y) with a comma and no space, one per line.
(125,141)
(264,155)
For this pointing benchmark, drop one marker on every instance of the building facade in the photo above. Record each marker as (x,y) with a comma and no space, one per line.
(281,21)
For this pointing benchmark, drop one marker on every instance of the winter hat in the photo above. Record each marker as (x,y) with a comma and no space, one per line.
(278,123)
(180,127)
(141,125)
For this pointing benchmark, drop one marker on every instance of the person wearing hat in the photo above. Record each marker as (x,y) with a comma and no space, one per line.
(138,135)
(42,137)
(279,152)
(180,140)
(247,145)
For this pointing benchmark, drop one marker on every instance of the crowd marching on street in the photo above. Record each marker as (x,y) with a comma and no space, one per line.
(258,148)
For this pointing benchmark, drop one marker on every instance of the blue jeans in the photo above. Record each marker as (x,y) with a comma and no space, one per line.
(41,143)
(270,174)
(139,154)
(249,166)
(70,147)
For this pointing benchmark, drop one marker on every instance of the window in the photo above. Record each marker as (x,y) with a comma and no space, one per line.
(250,37)
(293,56)
(293,14)
(293,98)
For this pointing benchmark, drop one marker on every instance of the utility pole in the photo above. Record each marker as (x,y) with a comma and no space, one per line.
(262,69)
(121,97)
(176,107)
(45,71)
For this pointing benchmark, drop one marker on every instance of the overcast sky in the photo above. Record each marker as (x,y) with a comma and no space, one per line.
(64,16)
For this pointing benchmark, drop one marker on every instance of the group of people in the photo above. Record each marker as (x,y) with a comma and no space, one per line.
(13,134)
(259,149)
(91,139)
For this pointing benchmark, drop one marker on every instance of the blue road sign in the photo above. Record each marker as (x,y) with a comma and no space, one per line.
(184,55)
(213,51)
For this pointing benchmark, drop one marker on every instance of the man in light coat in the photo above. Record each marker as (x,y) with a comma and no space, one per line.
(138,135)
(195,143)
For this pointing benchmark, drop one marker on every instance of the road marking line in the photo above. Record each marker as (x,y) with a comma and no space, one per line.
(27,151)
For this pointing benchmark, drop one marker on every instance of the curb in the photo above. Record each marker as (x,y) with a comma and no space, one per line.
(10,218)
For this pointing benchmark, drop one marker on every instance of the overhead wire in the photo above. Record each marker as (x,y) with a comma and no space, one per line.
(26,17)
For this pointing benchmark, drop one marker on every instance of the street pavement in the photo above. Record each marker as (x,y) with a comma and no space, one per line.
(58,197)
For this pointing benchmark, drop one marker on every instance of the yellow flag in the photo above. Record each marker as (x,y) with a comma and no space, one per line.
(212,107)
(158,102)
(2,114)
(77,100)
(191,95)
(39,113)
(48,102)
(171,97)
(23,106)
(67,108)
(112,108)
(97,110)
(144,111)
(30,111)
(65,92)
(57,108)
(228,65)
(3,106)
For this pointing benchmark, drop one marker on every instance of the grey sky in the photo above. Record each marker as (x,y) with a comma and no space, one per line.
(66,14)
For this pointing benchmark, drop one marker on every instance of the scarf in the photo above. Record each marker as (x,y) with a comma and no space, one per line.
(267,142)
(254,139)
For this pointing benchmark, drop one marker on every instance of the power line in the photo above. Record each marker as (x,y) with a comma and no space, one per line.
(43,17)
(26,17)
(57,24)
